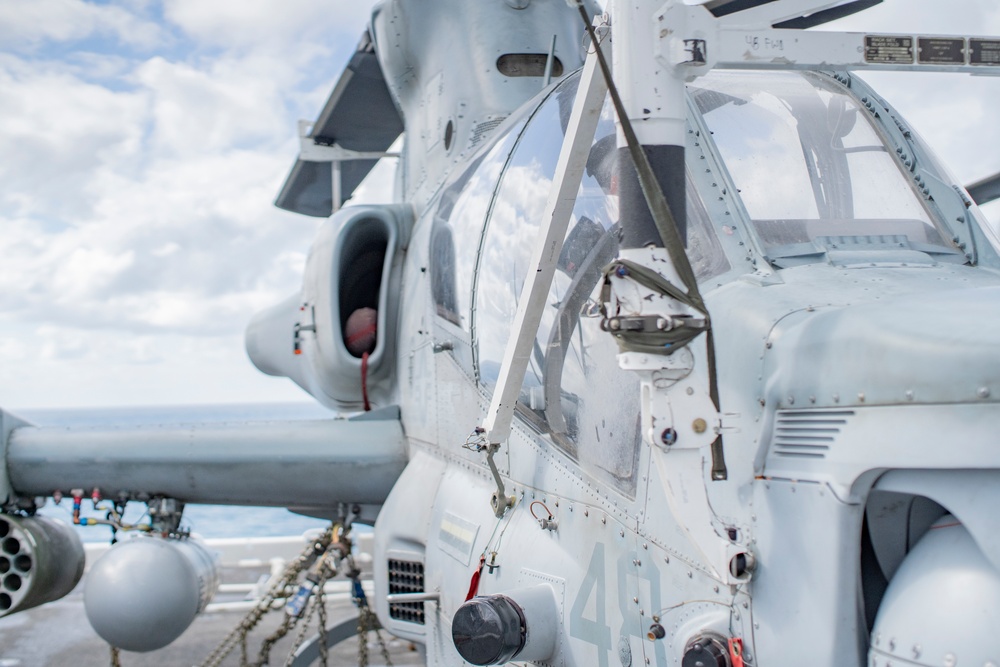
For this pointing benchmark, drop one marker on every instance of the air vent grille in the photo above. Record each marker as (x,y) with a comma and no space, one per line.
(406,577)
(808,434)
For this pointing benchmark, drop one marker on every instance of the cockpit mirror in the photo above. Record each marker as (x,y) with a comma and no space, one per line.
(840,119)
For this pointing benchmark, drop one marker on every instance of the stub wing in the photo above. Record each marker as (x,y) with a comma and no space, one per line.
(310,466)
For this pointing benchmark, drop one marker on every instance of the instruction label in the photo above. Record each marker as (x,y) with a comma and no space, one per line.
(888,49)
(941,51)
(984,51)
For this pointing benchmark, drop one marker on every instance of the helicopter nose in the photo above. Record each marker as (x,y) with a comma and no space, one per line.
(936,347)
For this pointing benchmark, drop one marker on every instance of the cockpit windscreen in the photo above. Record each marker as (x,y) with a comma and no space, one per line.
(811,169)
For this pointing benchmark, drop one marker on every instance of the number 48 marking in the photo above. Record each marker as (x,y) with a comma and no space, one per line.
(596,630)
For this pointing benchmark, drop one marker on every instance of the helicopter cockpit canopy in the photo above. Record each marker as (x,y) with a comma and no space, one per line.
(812,176)
(573,367)
(814,173)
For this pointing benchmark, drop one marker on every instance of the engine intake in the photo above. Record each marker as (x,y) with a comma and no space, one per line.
(354,267)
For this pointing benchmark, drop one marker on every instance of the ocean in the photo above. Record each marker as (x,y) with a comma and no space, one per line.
(208,521)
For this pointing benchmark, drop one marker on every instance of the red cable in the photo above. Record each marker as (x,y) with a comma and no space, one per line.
(364,381)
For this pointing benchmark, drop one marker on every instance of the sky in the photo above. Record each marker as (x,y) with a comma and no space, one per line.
(142,144)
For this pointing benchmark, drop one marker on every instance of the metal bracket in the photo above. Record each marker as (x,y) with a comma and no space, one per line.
(500,501)
(8,423)
(165,515)
(697,42)
(310,151)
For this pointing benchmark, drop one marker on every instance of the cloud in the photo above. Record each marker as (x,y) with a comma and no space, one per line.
(57,129)
(29,23)
(66,366)
(246,24)
(225,106)
(141,160)
(954,113)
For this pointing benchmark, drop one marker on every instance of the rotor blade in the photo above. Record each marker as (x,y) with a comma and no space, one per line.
(832,14)
(811,19)
(985,190)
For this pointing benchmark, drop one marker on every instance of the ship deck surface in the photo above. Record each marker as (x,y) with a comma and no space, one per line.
(58,635)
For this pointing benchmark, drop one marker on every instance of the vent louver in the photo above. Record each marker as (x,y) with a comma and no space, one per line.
(807,434)
(406,577)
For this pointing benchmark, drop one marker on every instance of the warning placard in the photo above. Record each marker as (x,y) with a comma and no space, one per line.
(941,50)
(984,51)
(888,49)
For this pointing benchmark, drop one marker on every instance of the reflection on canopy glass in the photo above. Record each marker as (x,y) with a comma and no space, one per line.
(811,169)
(573,368)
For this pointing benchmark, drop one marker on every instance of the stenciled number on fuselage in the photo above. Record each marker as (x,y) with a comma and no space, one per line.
(597,631)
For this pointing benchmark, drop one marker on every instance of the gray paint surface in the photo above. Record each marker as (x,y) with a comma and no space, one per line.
(301,464)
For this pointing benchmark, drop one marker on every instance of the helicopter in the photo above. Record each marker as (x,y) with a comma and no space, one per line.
(684,359)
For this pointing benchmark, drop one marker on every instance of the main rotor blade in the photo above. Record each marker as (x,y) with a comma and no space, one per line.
(985,190)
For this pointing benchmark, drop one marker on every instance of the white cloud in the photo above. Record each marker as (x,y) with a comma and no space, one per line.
(226,105)
(85,270)
(263,23)
(136,193)
(56,129)
(954,113)
(67,367)
(30,22)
